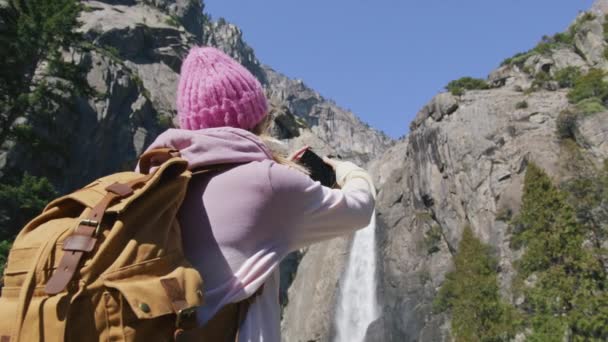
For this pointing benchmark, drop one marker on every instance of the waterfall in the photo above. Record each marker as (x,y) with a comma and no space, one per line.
(358,306)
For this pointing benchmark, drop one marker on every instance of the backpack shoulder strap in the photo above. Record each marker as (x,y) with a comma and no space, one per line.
(83,238)
(214,168)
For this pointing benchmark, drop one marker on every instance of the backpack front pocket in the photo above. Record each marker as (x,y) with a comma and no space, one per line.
(145,308)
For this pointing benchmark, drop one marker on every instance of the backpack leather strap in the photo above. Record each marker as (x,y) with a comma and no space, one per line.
(79,243)
(83,239)
(155,157)
(185,318)
(214,168)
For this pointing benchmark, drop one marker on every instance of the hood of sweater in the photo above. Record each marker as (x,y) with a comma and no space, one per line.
(210,146)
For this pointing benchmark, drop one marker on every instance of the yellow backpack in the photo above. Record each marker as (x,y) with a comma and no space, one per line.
(105,263)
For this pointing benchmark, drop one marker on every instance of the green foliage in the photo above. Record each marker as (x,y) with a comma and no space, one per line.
(140,85)
(173,21)
(504,214)
(518,59)
(548,44)
(588,194)
(472,295)
(589,92)
(566,125)
(545,46)
(589,85)
(566,76)
(112,52)
(164,121)
(590,106)
(587,16)
(566,38)
(576,27)
(540,79)
(20,201)
(568,294)
(5,247)
(36,31)
(521,105)
(88,9)
(457,87)
(432,238)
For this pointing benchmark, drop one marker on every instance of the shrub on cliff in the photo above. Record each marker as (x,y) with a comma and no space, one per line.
(566,125)
(550,43)
(566,76)
(472,296)
(591,105)
(521,105)
(459,86)
(592,84)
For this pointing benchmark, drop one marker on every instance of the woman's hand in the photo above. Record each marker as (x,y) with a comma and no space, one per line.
(295,155)
(344,170)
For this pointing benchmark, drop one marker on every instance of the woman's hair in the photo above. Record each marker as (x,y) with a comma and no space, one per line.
(261,130)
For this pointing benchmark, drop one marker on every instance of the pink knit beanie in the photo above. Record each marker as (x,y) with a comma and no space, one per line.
(215,90)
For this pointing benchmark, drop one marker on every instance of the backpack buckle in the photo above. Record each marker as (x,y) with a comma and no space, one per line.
(92,223)
(186,318)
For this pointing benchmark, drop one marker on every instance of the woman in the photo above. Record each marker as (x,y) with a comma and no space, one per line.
(239,222)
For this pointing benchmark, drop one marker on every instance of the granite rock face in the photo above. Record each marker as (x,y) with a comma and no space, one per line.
(462,164)
(600,7)
(133,60)
(229,38)
(327,128)
(313,295)
(461,171)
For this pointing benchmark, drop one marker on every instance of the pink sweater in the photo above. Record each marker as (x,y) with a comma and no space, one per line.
(239,224)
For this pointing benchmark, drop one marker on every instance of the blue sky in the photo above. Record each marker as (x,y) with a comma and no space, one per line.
(384,59)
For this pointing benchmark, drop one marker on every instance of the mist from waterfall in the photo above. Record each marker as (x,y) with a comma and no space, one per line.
(358,306)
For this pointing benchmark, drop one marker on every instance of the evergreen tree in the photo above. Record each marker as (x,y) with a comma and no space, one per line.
(471,293)
(565,294)
(33,32)
(35,81)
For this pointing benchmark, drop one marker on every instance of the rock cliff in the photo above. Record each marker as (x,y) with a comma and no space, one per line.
(462,164)
(132,60)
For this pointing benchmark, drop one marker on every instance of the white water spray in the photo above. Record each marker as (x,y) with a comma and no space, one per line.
(358,306)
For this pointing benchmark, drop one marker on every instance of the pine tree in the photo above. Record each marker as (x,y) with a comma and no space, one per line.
(33,32)
(471,293)
(565,294)
(35,81)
